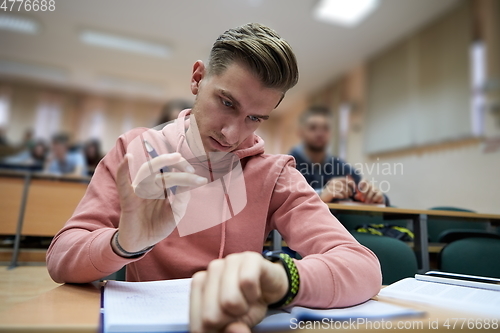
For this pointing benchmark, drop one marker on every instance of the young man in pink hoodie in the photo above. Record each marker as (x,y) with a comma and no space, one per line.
(165,225)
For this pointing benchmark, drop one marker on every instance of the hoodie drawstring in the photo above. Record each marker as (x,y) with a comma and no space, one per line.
(228,200)
(226,193)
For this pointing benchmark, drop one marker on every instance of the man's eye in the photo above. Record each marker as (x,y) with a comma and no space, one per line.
(227,103)
(254,118)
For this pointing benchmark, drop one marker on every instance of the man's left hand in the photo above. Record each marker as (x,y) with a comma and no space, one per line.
(367,193)
(232,295)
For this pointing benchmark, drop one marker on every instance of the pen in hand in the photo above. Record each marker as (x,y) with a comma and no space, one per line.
(152,152)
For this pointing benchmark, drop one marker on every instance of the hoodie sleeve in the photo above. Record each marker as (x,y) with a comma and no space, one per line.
(336,271)
(81,252)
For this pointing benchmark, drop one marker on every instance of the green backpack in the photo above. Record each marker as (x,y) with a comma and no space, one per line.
(388,230)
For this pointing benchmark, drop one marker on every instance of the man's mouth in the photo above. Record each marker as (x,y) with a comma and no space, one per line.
(217,145)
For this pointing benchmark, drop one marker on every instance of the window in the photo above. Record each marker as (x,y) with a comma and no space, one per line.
(4,110)
(478,82)
(97,122)
(47,118)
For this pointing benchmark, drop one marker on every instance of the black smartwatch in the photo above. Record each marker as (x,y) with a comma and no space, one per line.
(292,273)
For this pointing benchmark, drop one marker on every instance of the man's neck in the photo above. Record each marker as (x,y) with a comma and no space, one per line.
(315,156)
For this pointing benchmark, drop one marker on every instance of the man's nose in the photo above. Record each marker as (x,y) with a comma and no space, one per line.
(231,132)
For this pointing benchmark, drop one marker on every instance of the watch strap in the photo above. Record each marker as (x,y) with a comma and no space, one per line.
(292,274)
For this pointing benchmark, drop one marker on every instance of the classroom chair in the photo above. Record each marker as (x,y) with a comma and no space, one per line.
(396,258)
(452,235)
(472,256)
(439,229)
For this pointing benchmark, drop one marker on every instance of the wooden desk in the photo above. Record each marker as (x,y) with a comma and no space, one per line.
(75,308)
(11,192)
(39,204)
(67,308)
(419,220)
(50,204)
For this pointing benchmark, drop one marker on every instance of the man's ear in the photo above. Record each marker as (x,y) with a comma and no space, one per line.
(197,76)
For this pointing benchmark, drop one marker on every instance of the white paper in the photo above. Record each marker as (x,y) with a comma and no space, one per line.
(369,310)
(163,306)
(466,299)
(158,306)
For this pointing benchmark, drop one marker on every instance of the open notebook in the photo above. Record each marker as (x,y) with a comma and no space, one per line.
(163,306)
(452,291)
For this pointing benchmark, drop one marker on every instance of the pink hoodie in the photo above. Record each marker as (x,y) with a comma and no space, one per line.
(335,271)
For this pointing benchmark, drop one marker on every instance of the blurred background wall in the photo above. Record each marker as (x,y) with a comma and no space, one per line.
(413,89)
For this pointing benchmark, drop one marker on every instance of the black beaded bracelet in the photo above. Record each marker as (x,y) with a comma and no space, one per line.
(291,272)
(125,253)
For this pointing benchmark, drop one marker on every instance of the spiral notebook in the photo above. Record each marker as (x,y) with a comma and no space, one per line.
(163,306)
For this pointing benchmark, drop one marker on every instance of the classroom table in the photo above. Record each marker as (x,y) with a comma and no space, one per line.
(37,204)
(419,221)
(76,308)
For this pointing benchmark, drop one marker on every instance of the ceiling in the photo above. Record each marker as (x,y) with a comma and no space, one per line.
(190,27)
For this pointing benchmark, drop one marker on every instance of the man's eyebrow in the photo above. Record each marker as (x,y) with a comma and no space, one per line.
(228,95)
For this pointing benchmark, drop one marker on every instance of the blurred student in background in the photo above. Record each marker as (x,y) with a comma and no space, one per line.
(331,177)
(62,161)
(29,139)
(172,109)
(33,156)
(93,155)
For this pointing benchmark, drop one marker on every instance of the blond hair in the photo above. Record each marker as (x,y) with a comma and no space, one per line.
(259,48)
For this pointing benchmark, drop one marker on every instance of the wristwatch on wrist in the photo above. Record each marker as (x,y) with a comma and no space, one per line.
(292,274)
(124,253)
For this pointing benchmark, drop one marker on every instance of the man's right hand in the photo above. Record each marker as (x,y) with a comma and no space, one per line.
(338,188)
(147,217)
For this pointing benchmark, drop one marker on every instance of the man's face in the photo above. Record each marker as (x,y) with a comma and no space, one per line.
(315,132)
(229,107)
(59,149)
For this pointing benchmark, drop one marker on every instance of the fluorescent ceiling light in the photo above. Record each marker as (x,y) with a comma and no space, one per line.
(129,86)
(33,71)
(19,24)
(123,43)
(347,13)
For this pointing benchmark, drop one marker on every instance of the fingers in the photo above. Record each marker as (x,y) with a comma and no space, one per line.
(195,324)
(326,195)
(149,183)
(378,198)
(165,160)
(213,318)
(368,193)
(250,274)
(180,179)
(237,327)
(228,297)
(122,176)
(153,166)
(341,188)
(232,300)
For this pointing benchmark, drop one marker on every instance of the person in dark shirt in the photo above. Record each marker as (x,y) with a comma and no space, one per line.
(330,176)
(93,155)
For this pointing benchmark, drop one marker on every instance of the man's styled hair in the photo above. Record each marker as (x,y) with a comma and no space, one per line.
(314,111)
(259,48)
